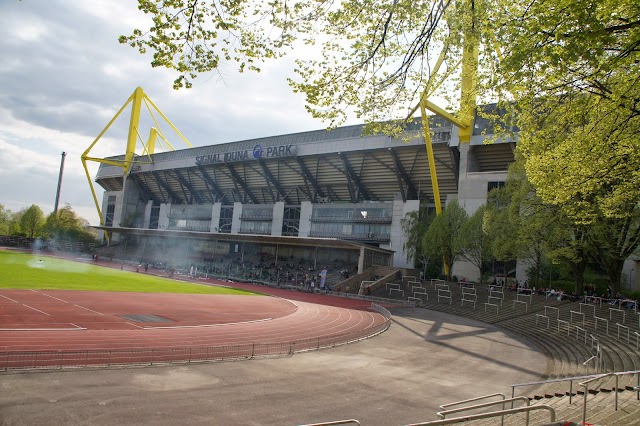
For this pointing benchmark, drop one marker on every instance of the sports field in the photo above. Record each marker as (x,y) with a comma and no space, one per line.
(37,272)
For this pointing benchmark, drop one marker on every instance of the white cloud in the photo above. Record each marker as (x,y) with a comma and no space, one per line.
(65,75)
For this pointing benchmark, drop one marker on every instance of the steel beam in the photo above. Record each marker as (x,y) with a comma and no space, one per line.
(361,191)
(189,186)
(412,192)
(161,182)
(211,183)
(239,181)
(309,177)
(144,188)
(276,184)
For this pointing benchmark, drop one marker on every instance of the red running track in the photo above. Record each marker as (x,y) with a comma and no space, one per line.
(49,320)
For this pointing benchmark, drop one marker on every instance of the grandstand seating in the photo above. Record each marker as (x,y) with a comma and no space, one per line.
(568,332)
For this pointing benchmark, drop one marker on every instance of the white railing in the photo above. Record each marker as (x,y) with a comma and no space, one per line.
(552,415)
(444,413)
(615,390)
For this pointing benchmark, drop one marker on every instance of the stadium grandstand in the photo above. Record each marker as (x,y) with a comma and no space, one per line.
(319,199)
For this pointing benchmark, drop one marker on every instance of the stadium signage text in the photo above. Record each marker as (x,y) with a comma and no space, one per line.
(255,153)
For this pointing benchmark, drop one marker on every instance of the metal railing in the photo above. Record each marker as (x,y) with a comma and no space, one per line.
(615,390)
(106,358)
(552,415)
(335,422)
(502,402)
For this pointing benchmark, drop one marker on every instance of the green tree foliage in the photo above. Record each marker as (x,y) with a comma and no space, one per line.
(414,225)
(193,37)
(567,69)
(477,238)
(574,68)
(66,225)
(32,221)
(443,238)
(371,56)
(5,220)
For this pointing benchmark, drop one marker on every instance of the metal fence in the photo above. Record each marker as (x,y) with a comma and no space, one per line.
(105,358)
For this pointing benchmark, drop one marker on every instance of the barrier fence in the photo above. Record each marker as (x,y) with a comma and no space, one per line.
(105,358)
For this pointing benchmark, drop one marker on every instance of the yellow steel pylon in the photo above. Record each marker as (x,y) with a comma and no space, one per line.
(137,99)
(468,95)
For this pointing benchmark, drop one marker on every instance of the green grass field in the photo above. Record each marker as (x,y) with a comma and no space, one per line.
(30,271)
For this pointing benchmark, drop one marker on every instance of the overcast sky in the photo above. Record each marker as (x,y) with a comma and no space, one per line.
(64,76)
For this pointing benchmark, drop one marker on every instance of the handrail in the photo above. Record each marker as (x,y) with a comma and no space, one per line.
(336,422)
(484,404)
(552,415)
(477,398)
(442,414)
(598,377)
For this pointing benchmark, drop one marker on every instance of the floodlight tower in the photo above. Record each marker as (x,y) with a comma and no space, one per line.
(137,99)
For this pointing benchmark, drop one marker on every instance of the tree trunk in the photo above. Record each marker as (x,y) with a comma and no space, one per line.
(614,272)
(578,273)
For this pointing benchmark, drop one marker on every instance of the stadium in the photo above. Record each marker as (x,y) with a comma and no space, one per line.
(322,199)
(265,216)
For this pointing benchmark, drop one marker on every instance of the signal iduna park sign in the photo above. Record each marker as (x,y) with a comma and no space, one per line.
(256,153)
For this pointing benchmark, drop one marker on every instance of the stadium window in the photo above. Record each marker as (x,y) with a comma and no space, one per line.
(494,185)
(111,208)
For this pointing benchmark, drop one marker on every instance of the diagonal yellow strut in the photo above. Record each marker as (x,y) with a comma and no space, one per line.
(136,99)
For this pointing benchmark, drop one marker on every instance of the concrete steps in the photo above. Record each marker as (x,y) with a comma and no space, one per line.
(566,349)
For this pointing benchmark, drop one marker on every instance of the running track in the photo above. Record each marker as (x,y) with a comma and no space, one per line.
(71,320)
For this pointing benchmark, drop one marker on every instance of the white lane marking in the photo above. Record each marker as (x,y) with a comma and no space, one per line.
(31,307)
(41,329)
(9,298)
(44,294)
(208,325)
(134,325)
(82,307)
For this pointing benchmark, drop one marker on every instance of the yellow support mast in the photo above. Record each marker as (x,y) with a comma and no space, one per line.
(468,97)
(137,98)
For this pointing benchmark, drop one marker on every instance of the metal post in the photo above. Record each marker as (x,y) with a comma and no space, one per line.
(570,391)
(55,207)
(617,377)
(584,404)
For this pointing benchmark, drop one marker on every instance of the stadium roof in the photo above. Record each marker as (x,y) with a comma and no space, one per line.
(332,166)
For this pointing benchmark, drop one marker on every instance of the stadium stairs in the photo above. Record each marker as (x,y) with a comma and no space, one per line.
(567,332)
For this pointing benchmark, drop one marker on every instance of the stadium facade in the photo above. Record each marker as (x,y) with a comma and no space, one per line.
(337,190)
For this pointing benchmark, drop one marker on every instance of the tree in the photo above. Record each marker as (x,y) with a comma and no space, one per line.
(5,220)
(66,225)
(443,238)
(373,56)
(566,69)
(415,225)
(476,238)
(32,221)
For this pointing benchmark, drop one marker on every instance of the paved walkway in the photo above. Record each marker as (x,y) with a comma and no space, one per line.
(424,360)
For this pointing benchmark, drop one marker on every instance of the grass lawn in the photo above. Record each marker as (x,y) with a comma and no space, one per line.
(30,271)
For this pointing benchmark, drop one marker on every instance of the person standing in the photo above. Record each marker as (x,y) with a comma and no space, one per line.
(323,277)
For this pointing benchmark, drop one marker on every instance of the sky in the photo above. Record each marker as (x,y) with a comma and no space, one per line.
(64,76)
